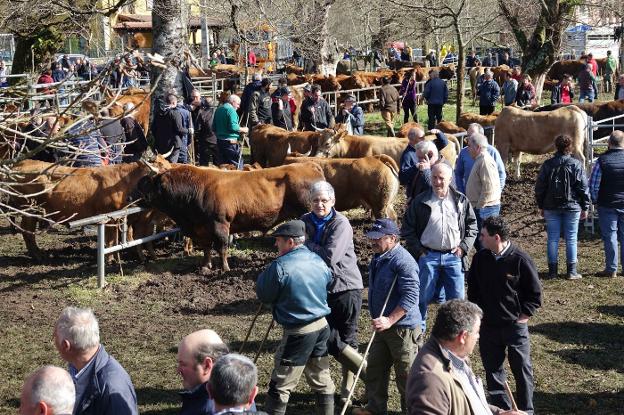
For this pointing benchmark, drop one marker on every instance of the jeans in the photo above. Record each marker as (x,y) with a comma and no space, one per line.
(589,95)
(612,230)
(438,265)
(409,106)
(343,320)
(229,153)
(481,214)
(486,109)
(558,221)
(514,338)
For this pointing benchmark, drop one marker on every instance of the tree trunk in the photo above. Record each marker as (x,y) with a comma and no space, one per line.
(328,56)
(169,21)
(44,44)
(461,63)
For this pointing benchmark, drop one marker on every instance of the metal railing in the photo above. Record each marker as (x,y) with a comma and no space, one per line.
(101,221)
(592,143)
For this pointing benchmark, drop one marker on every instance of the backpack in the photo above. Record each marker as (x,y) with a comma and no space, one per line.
(560,186)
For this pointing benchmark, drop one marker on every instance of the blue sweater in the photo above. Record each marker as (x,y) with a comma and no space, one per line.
(296,285)
(381,273)
(488,92)
(409,166)
(464,164)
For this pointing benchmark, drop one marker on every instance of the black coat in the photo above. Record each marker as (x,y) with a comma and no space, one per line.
(202,121)
(168,129)
(282,117)
(576,178)
(135,139)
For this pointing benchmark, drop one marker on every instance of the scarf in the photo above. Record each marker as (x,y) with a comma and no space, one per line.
(319,225)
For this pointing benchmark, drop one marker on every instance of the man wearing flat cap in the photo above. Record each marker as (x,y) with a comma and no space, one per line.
(393,275)
(295,285)
(352,115)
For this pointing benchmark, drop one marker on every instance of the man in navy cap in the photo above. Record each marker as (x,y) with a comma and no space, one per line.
(295,285)
(393,275)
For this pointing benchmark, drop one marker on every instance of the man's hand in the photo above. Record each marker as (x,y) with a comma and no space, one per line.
(381,324)
(311,109)
(542,212)
(434,131)
(244,130)
(191,131)
(583,215)
(280,105)
(424,165)
(523,319)
(457,251)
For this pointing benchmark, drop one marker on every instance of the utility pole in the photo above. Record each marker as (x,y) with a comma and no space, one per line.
(205,35)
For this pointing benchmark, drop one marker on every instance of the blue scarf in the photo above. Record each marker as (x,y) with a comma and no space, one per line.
(319,225)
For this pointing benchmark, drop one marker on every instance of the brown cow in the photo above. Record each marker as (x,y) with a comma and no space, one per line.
(71,193)
(142,105)
(561,68)
(270,144)
(405,128)
(520,131)
(449,127)
(327,83)
(208,205)
(474,74)
(369,182)
(467,118)
(342,145)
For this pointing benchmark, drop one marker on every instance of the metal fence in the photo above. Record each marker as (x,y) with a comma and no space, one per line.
(101,221)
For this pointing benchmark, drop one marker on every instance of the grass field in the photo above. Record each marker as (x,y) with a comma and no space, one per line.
(577,336)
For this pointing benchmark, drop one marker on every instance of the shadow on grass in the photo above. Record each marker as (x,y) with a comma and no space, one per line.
(155,396)
(596,346)
(251,347)
(601,403)
(614,310)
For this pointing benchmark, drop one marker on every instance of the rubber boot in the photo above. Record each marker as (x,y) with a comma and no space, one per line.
(324,404)
(552,271)
(273,406)
(348,379)
(572,274)
(351,359)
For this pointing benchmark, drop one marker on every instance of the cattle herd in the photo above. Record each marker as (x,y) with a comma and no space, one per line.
(209,204)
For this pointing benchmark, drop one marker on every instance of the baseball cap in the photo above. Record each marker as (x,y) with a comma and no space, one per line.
(293,228)
(383,227)
(350,97)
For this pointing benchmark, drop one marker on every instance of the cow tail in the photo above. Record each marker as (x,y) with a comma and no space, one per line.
(392,185)
(390,163)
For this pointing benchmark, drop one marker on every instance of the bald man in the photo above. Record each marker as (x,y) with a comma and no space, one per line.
(197,354)
(48,391)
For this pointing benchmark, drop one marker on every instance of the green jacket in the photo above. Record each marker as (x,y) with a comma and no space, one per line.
(610,66)
(225,123)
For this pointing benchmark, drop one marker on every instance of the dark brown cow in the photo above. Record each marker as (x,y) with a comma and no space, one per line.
(71,193)
(450,127)
(369,182)
(208,205)
(598,111)
(561,68)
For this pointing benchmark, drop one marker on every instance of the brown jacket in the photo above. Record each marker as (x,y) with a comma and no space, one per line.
(389,98)
(483,186)
(433,388)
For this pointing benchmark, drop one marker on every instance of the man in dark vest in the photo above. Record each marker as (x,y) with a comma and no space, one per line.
(606,185)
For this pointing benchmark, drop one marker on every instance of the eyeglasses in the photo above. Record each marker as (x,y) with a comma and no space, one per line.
(321,201)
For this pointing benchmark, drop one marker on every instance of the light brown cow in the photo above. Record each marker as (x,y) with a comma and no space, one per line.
(208,204)
(141,102)
(71,193)
(520,131)
(369,182)
(474,74)
(449,152)
(450,127)
(270,144)
(467,118)
(342,145)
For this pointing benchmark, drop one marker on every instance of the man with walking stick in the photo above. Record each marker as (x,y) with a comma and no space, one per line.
(295,285)
(393,304)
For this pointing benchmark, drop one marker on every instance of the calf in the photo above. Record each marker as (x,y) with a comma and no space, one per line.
(208,204)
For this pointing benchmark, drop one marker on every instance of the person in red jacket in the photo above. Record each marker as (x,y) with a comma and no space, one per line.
(251,58)
(593,63)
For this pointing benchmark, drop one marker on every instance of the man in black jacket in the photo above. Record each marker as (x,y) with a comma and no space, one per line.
(135,141)
(168,128)
(315,112)
(260,105)
(280,109)
(503,281)
(205,139)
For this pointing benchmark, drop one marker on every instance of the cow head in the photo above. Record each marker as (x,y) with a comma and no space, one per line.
(325,141)
(144,192)
(156,163)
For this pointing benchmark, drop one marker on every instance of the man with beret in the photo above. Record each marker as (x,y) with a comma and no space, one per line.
(280,109)
(393,275)
(295,285)
(352,115)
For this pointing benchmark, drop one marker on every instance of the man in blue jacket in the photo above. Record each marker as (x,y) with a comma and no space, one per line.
(102,386)
(488,93)
(436,94)
(295,285)
(394,272)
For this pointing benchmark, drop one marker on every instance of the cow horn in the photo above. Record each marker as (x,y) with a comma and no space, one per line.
(289,150)
(316,128)
(308,153)
(149,166)
(168,153)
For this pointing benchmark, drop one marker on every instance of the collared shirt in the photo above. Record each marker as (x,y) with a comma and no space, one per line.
(594,181)
(502,253)
(442,232)
(75,373)
(231,411)
(473,386)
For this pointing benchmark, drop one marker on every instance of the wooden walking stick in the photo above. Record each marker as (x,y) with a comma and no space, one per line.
(253,323)
(263,340)
(510,395)
(368,346)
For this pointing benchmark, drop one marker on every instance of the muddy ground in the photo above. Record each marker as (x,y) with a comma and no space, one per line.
(577,337)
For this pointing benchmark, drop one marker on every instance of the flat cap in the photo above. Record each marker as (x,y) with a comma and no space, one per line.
(293,228)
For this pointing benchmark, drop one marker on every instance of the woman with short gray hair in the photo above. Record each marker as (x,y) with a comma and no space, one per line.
(330,235)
